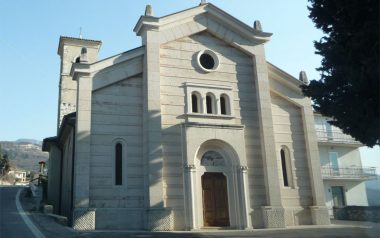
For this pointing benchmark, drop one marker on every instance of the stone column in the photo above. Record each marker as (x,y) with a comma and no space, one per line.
(158,218)
(273,213)
(319,211)
(191,222)
(204,104)
(83,216)
(217,106)
(245,201)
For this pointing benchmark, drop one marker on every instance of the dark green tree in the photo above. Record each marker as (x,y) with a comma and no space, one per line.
(5,166)
(348,90)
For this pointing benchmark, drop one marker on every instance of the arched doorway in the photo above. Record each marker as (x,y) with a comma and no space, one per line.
(215,188)
(215,200)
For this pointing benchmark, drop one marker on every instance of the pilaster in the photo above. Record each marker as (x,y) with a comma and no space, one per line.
(312,154)
(152,125)
(82,142)
(83,217)
(319,212)
(273,194)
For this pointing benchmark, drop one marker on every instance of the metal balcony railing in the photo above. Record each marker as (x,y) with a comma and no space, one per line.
(348,173)
(335,137)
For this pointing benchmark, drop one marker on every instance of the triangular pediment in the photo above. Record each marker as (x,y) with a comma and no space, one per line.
(203,17)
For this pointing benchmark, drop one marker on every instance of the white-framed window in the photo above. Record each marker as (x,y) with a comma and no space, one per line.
(286,167)
(205,100)
(208,60)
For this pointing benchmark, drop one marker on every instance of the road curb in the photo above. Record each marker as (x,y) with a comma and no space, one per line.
(24,215)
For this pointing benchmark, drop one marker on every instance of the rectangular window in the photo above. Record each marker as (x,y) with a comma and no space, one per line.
(333,157)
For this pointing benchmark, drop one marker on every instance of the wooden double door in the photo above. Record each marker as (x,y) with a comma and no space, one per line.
(215,200)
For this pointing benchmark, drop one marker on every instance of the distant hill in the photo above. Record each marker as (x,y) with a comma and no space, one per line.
(28,141)
(24,153)
(373,191)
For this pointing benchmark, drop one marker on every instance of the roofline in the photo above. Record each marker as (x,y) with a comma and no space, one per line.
(292,80)
(85,42)
(156,22)
(122,54)
(68,120)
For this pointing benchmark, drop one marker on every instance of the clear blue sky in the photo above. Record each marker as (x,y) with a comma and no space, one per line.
(29,33)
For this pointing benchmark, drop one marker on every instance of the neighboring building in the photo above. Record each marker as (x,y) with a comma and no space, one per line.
(342,171)
(193,129)
(19,175)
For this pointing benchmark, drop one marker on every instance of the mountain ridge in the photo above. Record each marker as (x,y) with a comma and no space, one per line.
(24,153)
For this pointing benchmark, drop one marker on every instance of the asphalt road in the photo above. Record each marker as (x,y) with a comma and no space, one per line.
(11,223)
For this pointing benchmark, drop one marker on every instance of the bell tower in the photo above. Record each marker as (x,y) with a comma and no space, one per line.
(72,50)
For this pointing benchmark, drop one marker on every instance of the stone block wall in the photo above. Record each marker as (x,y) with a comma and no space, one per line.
(358,213)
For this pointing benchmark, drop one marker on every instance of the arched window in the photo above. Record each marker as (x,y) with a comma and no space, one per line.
(118,164)
(286,168)
(210,104)
(224,105)
(195,103)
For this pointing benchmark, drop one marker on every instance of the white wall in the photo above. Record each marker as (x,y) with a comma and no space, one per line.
(355,193)
(117,117)
(347,156)
(179,66)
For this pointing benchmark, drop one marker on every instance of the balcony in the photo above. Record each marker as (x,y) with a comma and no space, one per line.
(353,173)
(335,137)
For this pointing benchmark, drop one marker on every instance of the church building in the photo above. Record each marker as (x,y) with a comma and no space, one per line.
(191,130)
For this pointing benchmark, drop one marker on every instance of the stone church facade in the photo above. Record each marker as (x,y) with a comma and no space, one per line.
(193,129)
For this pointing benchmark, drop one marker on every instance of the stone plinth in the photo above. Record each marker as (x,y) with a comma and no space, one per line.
(273,217)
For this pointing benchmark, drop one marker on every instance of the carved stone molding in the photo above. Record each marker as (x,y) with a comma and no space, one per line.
(243,168)
(189,167)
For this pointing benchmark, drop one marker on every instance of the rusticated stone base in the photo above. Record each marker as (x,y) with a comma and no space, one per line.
(84,219)
(319,215)
(160,220)
(273,217)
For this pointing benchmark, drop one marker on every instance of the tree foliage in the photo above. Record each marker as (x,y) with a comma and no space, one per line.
(348,90)
(4,163)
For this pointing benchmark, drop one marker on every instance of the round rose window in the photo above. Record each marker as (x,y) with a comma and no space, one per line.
(207,60)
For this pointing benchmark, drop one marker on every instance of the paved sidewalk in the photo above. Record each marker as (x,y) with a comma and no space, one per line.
(339,229)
